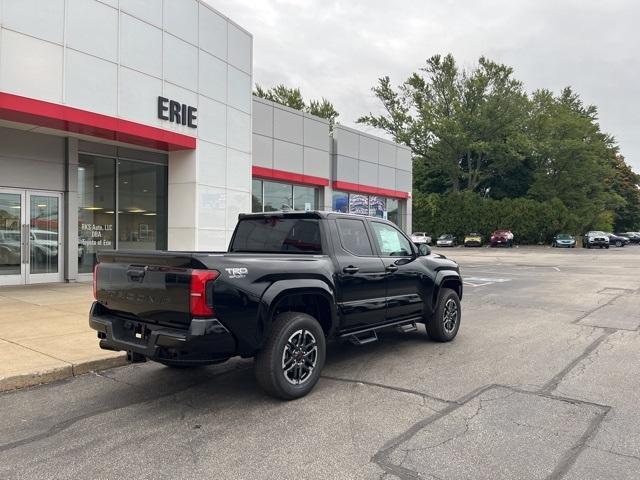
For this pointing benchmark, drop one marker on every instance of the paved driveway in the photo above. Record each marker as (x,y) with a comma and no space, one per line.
(541,382)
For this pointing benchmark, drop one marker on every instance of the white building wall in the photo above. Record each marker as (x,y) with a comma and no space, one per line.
(363,159)
(116,57)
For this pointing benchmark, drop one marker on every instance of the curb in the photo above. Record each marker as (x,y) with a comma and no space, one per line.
(59,373)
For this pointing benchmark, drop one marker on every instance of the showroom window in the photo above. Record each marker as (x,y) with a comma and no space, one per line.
(96,209)
(360,204)
(256,195)
(130,213)
(340,202)
(142,200)
(276,196)
(377,206)
(392,211)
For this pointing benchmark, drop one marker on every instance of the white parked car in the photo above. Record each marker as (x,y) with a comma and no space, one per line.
(421,237)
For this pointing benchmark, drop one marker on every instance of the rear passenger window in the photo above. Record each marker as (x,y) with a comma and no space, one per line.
(353,236)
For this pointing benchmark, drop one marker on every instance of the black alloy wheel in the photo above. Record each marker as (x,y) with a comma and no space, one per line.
(445,323)
(292,358)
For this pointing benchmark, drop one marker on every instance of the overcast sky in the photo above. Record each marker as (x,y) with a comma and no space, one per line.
(339,48)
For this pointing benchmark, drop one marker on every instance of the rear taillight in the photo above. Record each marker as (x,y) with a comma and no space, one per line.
(199,306)
(95,281)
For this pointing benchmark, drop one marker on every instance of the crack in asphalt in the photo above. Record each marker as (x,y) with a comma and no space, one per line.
(557,378)
(383,460)
(570,456)
(388,387)
(595,309)
(617,454)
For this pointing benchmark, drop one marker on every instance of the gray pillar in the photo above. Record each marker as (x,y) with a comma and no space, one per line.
(71,211)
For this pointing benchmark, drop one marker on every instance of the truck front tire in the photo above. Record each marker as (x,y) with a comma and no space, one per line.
(292,358)
(444,325)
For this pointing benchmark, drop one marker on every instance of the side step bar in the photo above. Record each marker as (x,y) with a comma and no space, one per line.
(362,337)
(407,327)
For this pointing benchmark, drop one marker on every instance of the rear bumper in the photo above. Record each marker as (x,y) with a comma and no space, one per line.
(598,243)
(501,241)
(206,340)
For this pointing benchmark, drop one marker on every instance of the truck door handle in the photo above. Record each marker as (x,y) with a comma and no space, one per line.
(392,268)
(350,269)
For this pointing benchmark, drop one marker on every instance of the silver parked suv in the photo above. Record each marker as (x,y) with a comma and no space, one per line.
(595,239)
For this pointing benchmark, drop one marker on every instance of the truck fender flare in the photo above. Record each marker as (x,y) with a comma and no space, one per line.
(282,288)
(441,277)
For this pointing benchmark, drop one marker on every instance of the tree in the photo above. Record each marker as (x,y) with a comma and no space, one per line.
(572,158)
(467,125)
(626,183)
(292,97)
(543,157)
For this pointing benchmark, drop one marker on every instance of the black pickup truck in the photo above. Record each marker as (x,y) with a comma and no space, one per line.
(289,282)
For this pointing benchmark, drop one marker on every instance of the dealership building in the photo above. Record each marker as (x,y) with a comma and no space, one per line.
(131,124)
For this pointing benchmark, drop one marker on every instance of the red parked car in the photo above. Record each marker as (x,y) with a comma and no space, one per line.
(501,238)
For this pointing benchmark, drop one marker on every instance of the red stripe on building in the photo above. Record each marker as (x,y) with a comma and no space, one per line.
(15,108)
(384,192)
(281,175)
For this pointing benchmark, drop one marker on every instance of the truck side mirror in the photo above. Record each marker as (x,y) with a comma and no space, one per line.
(423,249)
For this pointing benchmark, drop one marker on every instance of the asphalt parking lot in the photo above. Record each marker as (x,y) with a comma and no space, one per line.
(541,382)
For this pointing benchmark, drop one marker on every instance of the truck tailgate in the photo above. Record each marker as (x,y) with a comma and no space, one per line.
(147,286)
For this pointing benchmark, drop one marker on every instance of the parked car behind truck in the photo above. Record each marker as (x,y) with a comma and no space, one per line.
(501,238)
(595,239)
(617,240)
(564,240)
(421,237)
(474,239)
(289,283)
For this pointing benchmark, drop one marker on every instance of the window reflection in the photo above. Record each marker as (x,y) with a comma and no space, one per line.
(96,209)
(44,229)
(277,196)
(142,215)
(256,195)
(10,236)
(304,198)
(340,202)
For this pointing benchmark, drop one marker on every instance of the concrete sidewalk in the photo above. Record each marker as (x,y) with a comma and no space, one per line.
(45,335)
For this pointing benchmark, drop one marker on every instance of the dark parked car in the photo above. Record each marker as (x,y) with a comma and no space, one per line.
(564,240)
(595,239)
(446,240)
(501,238)
(617,240)
(634,237)
(288,283)
(473,240)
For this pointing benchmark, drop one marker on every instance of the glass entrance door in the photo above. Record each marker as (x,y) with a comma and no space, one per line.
(30,237)
(11,241)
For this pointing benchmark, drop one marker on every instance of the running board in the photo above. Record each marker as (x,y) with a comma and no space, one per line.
(407,327)
(368,335)
(364,338)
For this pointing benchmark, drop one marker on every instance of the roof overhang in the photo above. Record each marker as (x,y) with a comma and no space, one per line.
(15,108)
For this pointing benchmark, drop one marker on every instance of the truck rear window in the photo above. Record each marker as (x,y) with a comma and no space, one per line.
(277,235)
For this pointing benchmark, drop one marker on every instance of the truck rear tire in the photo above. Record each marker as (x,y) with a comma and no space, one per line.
(444,324)
(292,358)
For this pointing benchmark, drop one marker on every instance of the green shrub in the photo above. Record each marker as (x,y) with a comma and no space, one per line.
(530,221)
